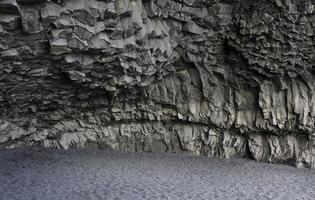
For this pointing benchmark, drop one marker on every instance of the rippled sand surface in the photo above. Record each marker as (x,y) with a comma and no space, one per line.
(44,174)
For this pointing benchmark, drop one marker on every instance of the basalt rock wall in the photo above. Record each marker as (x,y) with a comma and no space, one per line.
(221,78)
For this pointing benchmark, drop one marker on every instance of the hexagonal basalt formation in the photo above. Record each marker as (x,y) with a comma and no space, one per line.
(216,78)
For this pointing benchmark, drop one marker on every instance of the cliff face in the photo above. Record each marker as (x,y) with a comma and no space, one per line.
(217,78)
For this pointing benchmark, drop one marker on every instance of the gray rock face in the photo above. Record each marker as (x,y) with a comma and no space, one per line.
(216,78)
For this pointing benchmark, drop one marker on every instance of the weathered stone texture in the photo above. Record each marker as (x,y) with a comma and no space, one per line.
(216,78)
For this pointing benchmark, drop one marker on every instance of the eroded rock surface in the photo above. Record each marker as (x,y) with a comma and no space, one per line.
(216,78)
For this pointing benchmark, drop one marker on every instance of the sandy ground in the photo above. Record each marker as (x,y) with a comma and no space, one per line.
(94,174)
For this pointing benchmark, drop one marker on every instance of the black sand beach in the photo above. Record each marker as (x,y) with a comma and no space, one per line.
(37,174)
